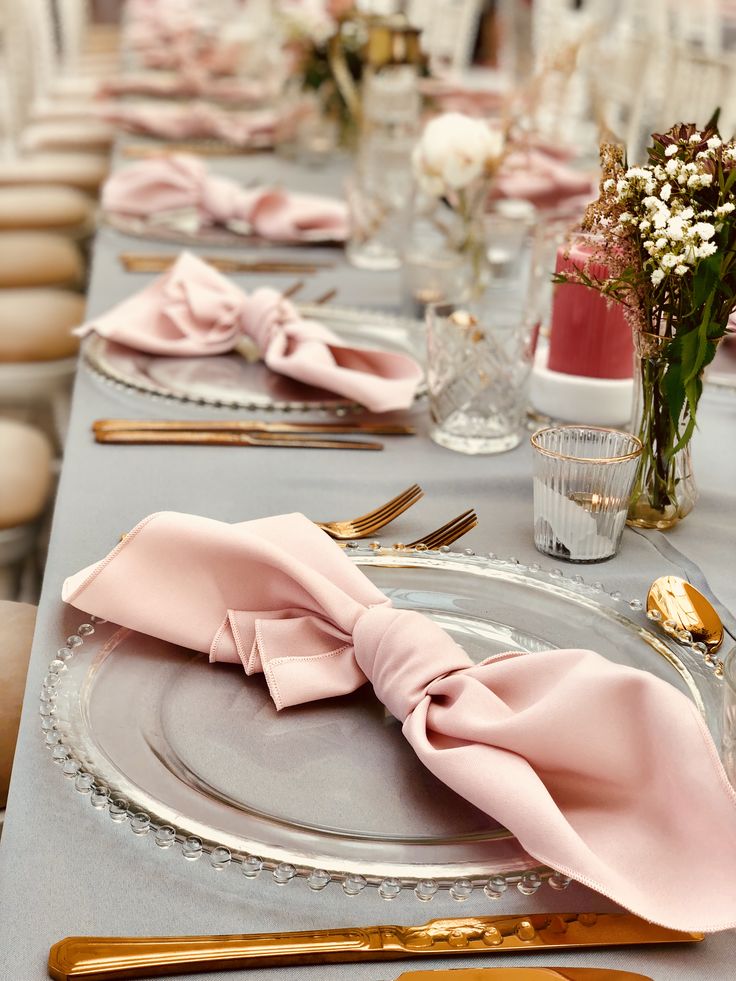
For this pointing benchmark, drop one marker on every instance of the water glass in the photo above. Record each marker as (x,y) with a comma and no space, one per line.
(729,715)
(378,205)
(479,360)
(583,478)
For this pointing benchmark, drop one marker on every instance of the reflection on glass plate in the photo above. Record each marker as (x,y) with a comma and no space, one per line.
(196,755)
(190,232)
(234,381)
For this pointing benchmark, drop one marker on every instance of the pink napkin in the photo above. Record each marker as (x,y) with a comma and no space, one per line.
(541,178)
(187,83)
(603,772)
(183,181)
(192,310)
(195,120)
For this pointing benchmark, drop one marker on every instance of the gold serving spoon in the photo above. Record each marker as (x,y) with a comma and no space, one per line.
(684,610)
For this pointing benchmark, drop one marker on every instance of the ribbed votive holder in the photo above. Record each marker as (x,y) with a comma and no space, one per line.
(583,477)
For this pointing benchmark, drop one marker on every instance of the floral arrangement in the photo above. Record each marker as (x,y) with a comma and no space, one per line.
(313,29)
(667,237)
(454,163)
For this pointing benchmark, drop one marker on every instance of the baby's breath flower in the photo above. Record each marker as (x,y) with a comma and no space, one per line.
(672,166)
(645,225)
(671,150)
(714,142)
(666,192)
(657,277)
(681,270)
(608,185)
(669,260)
(704,230)
(696,137)
(706,249)
(723,209)
(625,217)
(661,243)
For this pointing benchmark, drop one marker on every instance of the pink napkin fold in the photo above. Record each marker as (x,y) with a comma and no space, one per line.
(603,772)
(195,120)
(183,181)
(194,310)
(189,82)
(541,178)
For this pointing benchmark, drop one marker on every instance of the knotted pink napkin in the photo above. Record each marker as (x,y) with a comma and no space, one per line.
(195,120)
(603,772)
(194,310)
(183,181)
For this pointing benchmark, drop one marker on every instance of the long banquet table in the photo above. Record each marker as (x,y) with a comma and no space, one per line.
(66,869)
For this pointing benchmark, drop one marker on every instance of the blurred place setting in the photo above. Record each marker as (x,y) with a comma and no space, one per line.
(367,411)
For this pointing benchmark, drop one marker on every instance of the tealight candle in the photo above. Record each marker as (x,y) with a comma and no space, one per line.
(588,335)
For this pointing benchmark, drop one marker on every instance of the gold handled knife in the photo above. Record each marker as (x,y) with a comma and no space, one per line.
(250,426)
(141,437)
(524,974)
(113,958)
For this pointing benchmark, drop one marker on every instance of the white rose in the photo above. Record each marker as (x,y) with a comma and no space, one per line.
(455,150)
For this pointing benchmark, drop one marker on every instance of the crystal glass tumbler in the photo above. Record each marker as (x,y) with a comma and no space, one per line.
(479,360)
(583,478)
(729,715)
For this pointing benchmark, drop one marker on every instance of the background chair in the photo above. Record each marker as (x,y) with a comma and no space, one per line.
(17,623)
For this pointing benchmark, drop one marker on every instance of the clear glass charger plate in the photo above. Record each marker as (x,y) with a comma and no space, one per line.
(196,756)
(235,381)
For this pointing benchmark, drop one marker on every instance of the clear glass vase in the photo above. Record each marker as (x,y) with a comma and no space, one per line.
(664,489)
(445,253)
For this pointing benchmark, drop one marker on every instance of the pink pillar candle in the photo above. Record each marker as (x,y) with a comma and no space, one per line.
(588,335)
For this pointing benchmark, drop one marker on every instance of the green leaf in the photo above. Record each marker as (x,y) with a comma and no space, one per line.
(673,388)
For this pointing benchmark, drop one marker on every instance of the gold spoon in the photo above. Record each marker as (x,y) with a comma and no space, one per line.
(684,610)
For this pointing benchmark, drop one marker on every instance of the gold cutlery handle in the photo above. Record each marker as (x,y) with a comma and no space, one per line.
(137,437)
(111,958)
(248,426)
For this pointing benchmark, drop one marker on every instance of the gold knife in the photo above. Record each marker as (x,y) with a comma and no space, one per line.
(188,437)
(160,261)
(524,974)
(249,426)
(113,958)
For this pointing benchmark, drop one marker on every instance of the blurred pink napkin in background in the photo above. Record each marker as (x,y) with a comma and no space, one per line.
(169,183)
(186,84)
(195,120)
(543,179)
(194,310)
(603,772)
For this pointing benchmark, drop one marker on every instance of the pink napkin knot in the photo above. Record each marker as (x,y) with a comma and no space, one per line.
(603,772)
(194,310)
(401,672)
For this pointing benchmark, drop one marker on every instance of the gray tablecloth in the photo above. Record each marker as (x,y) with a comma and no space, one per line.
(67,869)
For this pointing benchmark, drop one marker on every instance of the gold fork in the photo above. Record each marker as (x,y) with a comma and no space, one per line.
(446,534)
(367,524)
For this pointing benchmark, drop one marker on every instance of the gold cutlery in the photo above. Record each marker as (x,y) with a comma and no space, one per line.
(250,426)
(110,958)
(366,524)
(685,611)
(201,148)
(154,262)
(325,297)
(189,437)
(446,534)
(523,974)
